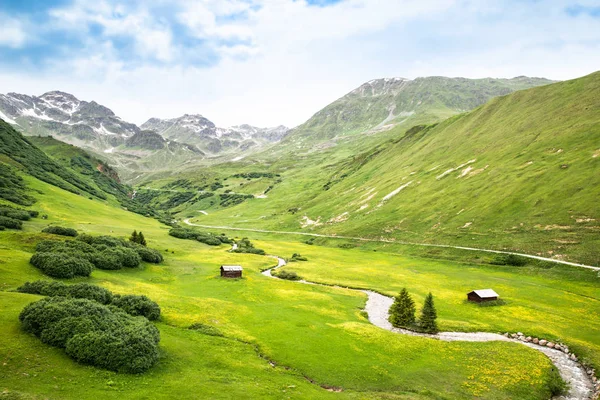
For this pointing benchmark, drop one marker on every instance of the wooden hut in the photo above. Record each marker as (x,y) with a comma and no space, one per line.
(482,295)
(231,271)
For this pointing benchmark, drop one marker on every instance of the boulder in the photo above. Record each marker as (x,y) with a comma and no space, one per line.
(536,340)
(528,339)
(565,349)
(543,342)
(573,357)
(550,345)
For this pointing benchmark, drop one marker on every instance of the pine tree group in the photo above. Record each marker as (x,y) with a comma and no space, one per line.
(427,322)
(138,238)
(402,312)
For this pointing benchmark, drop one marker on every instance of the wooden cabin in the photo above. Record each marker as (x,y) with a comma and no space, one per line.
(482,295)
(231,271)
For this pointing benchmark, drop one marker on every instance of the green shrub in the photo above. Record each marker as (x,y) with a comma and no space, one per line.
(59,230)
(137,305)
(77,291)
(14,213)
(94,334)
(298,257)
(246,246)
(287,275)
(203,237)
(44,288)
(61,266)
(149,255)
(556,384)
(510,259)
(10,223)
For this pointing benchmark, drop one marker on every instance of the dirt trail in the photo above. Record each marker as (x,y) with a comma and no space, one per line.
(187,221)
(377,309)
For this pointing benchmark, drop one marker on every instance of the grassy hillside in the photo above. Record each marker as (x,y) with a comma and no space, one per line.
(281,339)
(520,172)
(383,103)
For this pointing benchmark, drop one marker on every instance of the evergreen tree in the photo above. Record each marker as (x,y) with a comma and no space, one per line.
(134,237)
(141,239)
(402,312)
(428,316)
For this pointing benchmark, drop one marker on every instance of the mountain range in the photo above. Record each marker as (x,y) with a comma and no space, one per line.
(96,128)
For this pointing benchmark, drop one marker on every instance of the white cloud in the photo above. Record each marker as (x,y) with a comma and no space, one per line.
(12,32)
(280,61)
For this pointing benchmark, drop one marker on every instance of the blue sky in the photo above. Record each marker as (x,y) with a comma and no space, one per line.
(269,62)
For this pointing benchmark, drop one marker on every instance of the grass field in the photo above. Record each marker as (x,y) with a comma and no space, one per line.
(311,333)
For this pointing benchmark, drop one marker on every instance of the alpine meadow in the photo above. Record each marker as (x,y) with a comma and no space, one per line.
(189,209)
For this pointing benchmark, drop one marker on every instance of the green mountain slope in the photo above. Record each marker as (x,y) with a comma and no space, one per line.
(521,172)
(62,165)
(381,104)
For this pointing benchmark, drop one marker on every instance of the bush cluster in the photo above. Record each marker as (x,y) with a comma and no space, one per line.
(287,275)
(13,187)
(93,333)
(246,246)
(17,213)
(71,258)
(509,259)
(298,257)
(10,223)
(59,230)
(78,290)
(203,237)
(59,265)
(137,305)
(134,305)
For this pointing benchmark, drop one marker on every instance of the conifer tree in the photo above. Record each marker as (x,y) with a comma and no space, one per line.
(134,237)
(428,316)
(141,239)
(402,312)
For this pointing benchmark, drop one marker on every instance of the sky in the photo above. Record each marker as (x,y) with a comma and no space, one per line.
(272,62)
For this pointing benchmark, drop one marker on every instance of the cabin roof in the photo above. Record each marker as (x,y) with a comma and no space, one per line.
(231,267)
(485,293)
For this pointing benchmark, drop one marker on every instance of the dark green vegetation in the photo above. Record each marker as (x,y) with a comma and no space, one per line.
(12,218)
(297,257)
(246,246)
(402,312)
(427,321)
(12,187)
(93,333)
(16,149)
(134,305)
(59,230)
(77,291)
(138,238)
(72,258)
(203,237)
(287,275)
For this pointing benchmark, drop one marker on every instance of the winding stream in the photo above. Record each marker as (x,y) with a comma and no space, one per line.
(378,306)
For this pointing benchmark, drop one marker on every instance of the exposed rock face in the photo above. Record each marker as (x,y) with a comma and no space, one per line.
(62,114)
(199,131)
